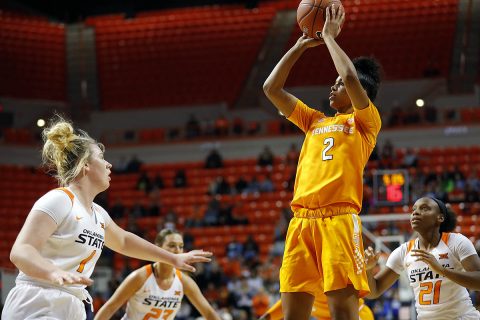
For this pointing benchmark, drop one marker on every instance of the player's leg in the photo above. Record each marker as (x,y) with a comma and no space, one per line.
(343,303)
(299,275)
(343,267)
(297,305)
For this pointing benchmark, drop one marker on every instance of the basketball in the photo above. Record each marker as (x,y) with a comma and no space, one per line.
(311,16)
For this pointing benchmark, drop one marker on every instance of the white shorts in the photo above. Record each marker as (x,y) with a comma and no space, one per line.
(28,301)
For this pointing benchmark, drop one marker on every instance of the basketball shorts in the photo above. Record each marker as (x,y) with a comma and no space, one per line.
(323,254)
(28,301)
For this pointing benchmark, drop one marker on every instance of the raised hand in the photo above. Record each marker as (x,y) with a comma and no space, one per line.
(371,258)
(305,42)
(184,260)
(429,259)
(335,16)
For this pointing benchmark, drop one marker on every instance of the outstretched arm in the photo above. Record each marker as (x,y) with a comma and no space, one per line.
(274,85)
(133,246)
(335,16)
(383,280)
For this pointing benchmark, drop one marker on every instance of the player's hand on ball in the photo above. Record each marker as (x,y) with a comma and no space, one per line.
(335,16)
(305,42)
(60,277)
(184,260)
(371,258)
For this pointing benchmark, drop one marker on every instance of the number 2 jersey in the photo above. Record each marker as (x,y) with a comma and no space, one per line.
(152,302)
(333,156)
(77,243)
(437,297)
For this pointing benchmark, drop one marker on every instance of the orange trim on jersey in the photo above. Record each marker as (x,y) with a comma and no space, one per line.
(68,192)
(445,237)
(179,274)
(410,245)
(148,270)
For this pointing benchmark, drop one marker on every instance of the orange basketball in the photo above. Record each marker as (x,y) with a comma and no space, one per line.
(311,16)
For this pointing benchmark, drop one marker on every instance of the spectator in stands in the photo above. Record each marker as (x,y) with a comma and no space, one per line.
(195,220)
(253,128)
(65,231)
(410,159)
(134,165)
(221,126)
(241,184)
(329,179)
(291,159)
(266,185)
(212,214)
(171,219)
(250,248)
(192,128)
(238,214)
(143,183)
(234,249)
(260,303)
(253,186)
(238,126)
(265,158)
(219,186)
(214,160)
(150,280)
(180,179)
(158,182)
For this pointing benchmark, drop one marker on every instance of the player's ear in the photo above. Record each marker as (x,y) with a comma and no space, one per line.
(441,218)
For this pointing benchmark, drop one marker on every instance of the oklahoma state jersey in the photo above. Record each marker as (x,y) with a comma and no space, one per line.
(77,243)
(151,302)
(333,156)
(437,297)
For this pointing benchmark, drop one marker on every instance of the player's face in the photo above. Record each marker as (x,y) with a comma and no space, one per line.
(339,99)
(425,215)
(99,168)
(173,243)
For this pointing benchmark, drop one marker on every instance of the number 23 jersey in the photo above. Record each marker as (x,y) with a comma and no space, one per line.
(152,302)
(436,297)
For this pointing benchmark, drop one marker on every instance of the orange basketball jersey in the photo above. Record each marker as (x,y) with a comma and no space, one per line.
(333,156)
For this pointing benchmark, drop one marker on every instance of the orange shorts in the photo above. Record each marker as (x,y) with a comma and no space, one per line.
(320,310)
(323,254)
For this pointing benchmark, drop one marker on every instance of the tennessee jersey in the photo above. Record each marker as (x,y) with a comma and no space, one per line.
(77,243)
(333,156)
(437,297)
(152,302)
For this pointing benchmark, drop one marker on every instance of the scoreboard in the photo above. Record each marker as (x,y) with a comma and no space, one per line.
(390,187)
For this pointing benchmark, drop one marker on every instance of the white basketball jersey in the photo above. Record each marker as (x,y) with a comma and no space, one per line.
(77,243)
(151,302)
(437,297)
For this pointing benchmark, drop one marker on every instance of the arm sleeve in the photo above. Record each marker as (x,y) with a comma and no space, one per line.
(105,215)
(395,260)
(369,121)
(56,204)
(462,246)
(303,116)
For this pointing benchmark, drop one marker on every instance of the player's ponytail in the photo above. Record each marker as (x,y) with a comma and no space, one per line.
(65,150)
(368,71)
